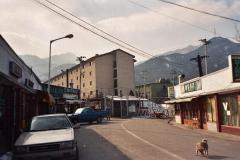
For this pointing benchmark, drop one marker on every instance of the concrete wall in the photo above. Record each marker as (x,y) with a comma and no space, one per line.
(104,74)
(6,56)
(125,72)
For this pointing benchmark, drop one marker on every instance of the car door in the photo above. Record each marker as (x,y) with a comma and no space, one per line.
(91,115)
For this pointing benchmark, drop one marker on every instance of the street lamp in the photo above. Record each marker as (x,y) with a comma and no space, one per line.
(50,50)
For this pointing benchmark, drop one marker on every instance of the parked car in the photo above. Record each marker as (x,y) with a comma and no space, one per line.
(87,114)
(49,136)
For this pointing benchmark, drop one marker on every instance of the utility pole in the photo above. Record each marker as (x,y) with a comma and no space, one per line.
(81,61)
(199,59)
(205,43)
(144,83)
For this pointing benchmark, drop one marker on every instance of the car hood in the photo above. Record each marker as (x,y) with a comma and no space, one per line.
(39,137)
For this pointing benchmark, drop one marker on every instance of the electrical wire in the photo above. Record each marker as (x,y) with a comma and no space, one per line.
(146,55)
(173,18)
(200,11)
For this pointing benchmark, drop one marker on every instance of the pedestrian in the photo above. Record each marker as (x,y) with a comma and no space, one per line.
(108,109)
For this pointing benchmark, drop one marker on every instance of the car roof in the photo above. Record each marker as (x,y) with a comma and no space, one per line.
(50,115)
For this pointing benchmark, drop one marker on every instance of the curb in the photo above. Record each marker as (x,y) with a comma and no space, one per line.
(224,136)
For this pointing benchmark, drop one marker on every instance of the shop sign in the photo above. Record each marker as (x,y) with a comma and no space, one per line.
(29,83)
(228,113)
(192,86)
(225,105)
(70,96)
(236,68)
(15,70)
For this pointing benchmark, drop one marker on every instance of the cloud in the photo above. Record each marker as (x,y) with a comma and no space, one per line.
(29,27)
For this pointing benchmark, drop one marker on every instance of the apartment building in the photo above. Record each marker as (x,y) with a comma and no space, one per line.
(111,73)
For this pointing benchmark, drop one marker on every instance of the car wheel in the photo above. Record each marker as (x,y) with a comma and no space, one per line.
(99,120)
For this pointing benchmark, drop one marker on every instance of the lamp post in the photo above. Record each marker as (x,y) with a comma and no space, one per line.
(50,50)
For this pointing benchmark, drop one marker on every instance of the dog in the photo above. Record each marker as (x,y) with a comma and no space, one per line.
(202,147)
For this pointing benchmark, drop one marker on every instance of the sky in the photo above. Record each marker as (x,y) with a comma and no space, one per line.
(29,27)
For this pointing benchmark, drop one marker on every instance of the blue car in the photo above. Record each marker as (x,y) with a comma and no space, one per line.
(87,114)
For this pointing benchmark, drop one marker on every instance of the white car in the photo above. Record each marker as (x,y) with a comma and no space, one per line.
(50,136)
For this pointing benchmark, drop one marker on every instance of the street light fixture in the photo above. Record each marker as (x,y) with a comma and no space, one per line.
(50,50)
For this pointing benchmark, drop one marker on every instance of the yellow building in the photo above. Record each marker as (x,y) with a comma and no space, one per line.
(107,74)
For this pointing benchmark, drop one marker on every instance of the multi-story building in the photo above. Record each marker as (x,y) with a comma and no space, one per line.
(156,91)
(107,74)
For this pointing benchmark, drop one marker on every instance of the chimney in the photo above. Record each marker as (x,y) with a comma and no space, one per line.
(180,78)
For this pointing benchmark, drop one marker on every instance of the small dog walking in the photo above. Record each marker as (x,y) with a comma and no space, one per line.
(202,147)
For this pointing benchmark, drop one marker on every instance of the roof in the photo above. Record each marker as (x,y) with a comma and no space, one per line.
(187,99)
(50,115)
(90,59)
(1,37)
(126,98)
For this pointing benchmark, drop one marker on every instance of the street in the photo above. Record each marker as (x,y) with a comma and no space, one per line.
(150,139)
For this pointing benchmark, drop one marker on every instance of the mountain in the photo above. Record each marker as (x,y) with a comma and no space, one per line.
(40,65)
(169,65)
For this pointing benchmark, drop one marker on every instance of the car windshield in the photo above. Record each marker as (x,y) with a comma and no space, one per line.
(79,110)
(49,123)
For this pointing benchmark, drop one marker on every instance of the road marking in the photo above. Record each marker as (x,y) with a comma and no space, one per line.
(149,143)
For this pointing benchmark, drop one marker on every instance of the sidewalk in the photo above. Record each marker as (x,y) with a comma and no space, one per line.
(220,135)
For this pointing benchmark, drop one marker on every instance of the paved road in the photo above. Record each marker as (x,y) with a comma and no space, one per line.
(150,139)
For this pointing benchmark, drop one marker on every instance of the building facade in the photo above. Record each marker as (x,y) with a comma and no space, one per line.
(211,102)
(107,74)
(18,93)
(156,92)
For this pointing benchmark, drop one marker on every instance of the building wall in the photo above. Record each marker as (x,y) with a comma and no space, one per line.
(125,72)
(6,56)
(88,81)
(101,78)
(104,74)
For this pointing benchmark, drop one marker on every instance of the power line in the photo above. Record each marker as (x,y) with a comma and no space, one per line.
(108,39)
(173,18)
(182,21)
(95,27)
(142,53)
(200,11)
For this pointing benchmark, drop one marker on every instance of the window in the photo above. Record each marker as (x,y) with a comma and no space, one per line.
(83,84)
(90,73)
(114,64)
(90,83)
(77,78)
(91,92)
(84,94)
(71,72)
(115,83)
(83,75)
(62,83)
(62,77)
(230,111)
(90,63)
(211,110)
(77,86)
(115,92)
(115,73)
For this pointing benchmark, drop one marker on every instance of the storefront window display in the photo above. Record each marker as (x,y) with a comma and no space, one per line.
(211,109)
(230,111)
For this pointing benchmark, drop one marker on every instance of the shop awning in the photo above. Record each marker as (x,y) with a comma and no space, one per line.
(180,100)
(73,101)
(46,97)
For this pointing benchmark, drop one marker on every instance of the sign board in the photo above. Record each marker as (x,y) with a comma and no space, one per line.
(171,93)
(192,86)
(225,105)
(228,113)
(236,68)
(70,96)
(15,70)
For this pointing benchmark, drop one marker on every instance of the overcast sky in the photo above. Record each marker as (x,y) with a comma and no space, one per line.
(29,27)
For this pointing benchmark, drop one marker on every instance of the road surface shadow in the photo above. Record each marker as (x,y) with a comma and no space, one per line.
(93,146)
(217,157)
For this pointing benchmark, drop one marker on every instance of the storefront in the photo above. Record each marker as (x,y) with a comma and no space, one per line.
(210,102)
(230,113)
(18,99)
(66,99)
